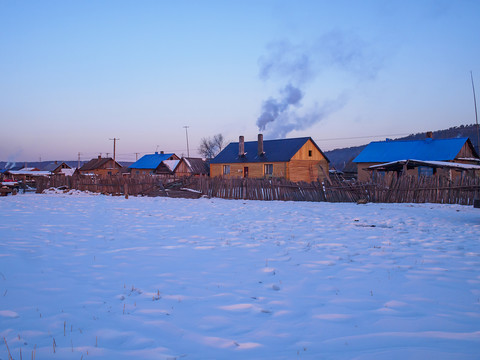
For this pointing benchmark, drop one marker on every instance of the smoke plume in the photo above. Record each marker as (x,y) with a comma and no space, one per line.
(289,121)
(273,108)
(300,65)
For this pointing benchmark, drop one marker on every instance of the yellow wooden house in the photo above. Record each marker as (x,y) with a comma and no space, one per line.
(297,159)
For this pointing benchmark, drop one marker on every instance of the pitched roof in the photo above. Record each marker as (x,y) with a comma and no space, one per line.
(54,166)
(426,149)
(197,165)
(26,171)
(171,164)
(280,150)
(96,163)
(150,161)
(30,169)
(68,172)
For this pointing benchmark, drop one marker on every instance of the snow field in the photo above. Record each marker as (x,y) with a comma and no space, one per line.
(155,278)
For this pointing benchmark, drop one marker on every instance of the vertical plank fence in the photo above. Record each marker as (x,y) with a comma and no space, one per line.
(390,189)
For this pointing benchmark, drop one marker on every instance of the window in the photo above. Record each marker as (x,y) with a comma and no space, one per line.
(226,169)
(310,153)
(425,171)
(268,169)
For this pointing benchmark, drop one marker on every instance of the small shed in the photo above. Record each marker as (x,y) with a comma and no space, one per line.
(167,167)
(100,166)
(25,174)
(189,166)
(458,150)
(56,167)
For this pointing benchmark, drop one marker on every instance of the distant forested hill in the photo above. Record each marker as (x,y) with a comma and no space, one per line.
(341,158)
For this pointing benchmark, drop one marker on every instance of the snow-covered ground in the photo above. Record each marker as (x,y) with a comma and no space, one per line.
(157,278)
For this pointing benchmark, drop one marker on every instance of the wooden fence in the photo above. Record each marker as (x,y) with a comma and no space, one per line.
(113,184)
(391,189)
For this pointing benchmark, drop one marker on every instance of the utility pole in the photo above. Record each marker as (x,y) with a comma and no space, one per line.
(78,161)
(136,156)
(114,143)
(476,117)
(186,134)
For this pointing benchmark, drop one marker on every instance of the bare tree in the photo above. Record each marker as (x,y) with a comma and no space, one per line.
(219,141)
(210,147)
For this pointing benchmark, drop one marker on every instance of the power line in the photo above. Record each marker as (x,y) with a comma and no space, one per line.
(140,153)
(361,137)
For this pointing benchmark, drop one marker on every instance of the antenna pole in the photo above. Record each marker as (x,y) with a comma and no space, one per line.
(476,116)
(186,134)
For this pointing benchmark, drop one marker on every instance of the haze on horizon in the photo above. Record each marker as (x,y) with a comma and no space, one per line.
(76,74)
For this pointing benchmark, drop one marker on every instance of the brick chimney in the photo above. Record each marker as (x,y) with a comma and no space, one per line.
(429,135)
(260,145)
(241,146)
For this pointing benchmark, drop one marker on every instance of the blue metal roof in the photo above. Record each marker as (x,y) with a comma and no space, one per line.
(426,149)
(151,161)
(279,150)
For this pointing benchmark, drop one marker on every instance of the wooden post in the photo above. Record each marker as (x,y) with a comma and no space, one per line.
(325,175)
(125,189)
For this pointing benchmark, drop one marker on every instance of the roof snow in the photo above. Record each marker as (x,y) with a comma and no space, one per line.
(171,164)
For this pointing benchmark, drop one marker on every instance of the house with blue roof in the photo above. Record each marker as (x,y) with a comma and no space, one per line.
(420,154)
(297,159)
(158,163)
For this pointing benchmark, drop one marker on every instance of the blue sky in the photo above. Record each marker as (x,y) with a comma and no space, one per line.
(76,73)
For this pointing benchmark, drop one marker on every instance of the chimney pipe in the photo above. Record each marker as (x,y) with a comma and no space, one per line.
(241,146)
(429,135)
(260,145)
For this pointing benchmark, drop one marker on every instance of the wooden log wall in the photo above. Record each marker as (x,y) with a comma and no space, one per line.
(391,189)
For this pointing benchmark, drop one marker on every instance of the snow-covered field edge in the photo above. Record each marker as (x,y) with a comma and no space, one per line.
(93,276)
